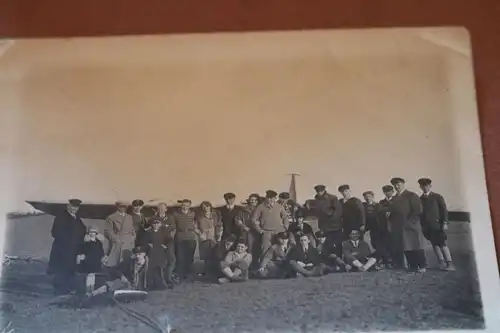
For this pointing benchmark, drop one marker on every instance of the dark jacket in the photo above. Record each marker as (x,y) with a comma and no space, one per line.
(372,213)
(306,229)
(94,252)
(311,256)
(68,233)
(159,242)
(353,214)
(228,218)
(276,254)
(127,268)
(383,220)
(329,212)
(434,211)
(352,253)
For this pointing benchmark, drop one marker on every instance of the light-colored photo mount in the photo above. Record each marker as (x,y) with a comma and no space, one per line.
(186,119)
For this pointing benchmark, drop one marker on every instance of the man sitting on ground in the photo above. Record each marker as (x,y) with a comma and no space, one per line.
(304,259)
(236,264)
(275,263)
(130,274)
(357,253)
(327,255)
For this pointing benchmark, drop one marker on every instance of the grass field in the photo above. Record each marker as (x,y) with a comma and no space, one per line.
(387,300)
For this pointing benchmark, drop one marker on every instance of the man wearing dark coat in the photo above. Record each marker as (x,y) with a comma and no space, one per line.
(305,260)
(353,212)
(384,235)
(404,215)
(228,213)
(329,213)
(434,222)
(68,232)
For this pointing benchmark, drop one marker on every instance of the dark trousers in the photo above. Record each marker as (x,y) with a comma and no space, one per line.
(156,278)
(335,239)
(185,249)
(253,240)
(397,249)
(168,271)
(380,241)
(416,259)
(64,282)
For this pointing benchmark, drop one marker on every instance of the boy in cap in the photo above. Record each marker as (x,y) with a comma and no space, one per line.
(161,255)
(353,211)
(236,264)
(268,219)
(90,258)
(329,211)
(275,263)
(357,253)
(434,220)
(300,227)
(404,217)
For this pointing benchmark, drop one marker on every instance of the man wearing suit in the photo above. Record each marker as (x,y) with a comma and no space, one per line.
(121,235)
(329,212)
(357,253)
(229,213)
(305,260)
(434,222)
(404,217)
(386,238)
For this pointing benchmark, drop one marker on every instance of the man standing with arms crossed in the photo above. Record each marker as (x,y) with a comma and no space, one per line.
(329,213)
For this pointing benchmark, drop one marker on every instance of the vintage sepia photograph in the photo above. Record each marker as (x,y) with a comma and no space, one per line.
(300,181)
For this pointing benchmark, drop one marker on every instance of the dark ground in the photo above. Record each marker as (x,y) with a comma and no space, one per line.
(386,300)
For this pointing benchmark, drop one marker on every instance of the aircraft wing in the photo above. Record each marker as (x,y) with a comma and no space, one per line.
(98,211)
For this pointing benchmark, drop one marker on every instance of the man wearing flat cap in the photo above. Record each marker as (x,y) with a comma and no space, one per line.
(228,214)
(404,218)
(434,222)
(329,213)
(268,219)
(121,234)
(137,217)
(68,232)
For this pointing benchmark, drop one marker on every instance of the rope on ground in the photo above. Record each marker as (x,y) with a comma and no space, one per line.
(142,317)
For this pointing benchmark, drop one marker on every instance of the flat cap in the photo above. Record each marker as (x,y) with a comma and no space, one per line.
(229,195)
(75,202)
(397,180)
(271,194)
(387,188)
(137,202)
(121,203)
(365,193)
(140,249)
(230,239)
(344,187)
(281,235)
(92,229)
(319,188)
(319,234)
(184,201)
(424,181)
(284,195)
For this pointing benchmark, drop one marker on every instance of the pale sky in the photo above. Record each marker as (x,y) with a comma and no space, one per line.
(200,115)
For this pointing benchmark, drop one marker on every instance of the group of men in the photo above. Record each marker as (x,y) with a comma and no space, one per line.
(265,238)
